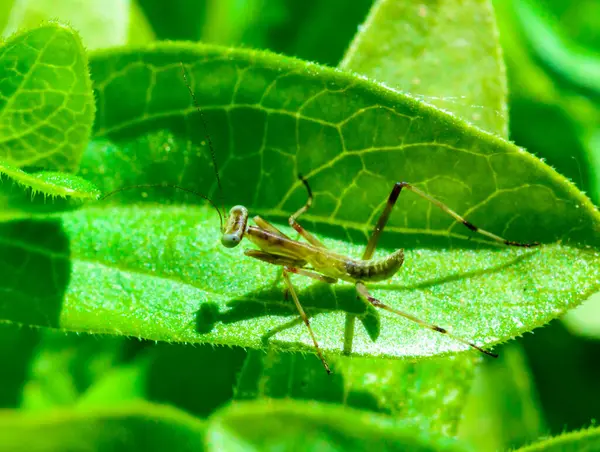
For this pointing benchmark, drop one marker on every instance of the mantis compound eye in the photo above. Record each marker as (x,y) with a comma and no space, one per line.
(235,227)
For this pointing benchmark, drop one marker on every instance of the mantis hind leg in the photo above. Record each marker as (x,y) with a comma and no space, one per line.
(304,317)
(363,293)
(398,186)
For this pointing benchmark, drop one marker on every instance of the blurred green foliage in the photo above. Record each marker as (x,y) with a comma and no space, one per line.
(76,391)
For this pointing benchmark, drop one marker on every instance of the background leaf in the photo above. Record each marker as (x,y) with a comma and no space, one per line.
(141,426)
(444,51)
(150,261)
(17,347)
(283,26)
(398,388)
(284,424)
(585,320)
(503,419)
(549,116)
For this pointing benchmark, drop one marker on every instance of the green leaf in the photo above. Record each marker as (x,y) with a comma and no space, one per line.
(399,388)
(141,426)
(157,271)
(46,102)
(588,439)
(174,374)
(66,365)
(46,114)
(446,52)
(283,425)
(140,31)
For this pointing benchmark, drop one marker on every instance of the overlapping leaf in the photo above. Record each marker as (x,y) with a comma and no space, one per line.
(446,52)
(46,115)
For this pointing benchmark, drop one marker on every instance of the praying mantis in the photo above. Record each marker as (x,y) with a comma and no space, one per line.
(310,258)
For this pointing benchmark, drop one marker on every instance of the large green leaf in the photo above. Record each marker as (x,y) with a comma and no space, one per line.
(157,271)
(141,426)
(446,52)
(284,425)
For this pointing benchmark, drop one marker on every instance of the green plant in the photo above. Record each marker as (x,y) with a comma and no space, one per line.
(148,265)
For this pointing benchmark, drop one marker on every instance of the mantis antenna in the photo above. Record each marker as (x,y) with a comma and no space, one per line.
(206,136)
(177,187)
(221,211)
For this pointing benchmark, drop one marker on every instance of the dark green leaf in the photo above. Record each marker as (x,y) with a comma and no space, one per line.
(66,365)
(430,393)
(17,348)
(142,426)
(284,425)
(503,411)
(579,64)
(158,271)
(195,379)
(550,117)
(565,371)
(446,52)
(183,19)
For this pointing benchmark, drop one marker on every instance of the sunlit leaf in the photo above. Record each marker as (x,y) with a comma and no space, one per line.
(46,104)
(159,272)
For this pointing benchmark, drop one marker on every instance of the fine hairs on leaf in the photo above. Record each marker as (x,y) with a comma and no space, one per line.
(269,121)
